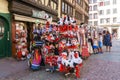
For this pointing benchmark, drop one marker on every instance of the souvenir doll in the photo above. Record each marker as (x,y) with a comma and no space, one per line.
(19,54)
(51,59)
(35,62)
(74,62)
(64,62)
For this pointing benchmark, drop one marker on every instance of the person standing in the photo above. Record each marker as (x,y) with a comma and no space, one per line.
(104,33)
(100,43)
(95,45)
(90,44)
(108,41)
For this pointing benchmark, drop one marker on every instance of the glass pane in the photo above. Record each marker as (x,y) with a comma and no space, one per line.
(2,29)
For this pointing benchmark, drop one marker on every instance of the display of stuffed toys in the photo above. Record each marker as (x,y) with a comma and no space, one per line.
(61,45)
(21,42)
(70,61)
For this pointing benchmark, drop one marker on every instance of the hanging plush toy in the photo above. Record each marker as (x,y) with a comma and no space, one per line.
(74,62)
(19,54)
(64,62)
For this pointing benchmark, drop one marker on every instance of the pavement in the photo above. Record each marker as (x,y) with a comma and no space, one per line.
(104,66)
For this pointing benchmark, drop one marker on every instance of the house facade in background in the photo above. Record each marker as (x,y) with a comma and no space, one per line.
(108,15)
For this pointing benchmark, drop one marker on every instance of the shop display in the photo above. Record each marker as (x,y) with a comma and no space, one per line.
(84,43)
(69,48)
(21,42)
(59,46)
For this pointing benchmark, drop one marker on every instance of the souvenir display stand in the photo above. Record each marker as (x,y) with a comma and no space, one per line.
(84,44)
(61,46)
(21,42)
(70,57)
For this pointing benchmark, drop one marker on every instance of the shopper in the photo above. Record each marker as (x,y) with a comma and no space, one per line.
(100,43)
(95,46)
(90,44)
(104,33)
(108,41)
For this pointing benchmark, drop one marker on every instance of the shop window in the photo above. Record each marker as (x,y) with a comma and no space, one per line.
(1,29)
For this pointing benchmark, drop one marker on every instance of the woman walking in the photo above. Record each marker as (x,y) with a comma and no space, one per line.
(108,41)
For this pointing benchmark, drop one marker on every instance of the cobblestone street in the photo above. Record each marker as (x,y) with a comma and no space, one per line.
(104,66)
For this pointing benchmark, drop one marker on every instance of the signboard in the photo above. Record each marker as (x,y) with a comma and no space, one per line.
(39,14)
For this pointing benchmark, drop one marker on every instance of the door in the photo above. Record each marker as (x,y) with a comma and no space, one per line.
(3,37)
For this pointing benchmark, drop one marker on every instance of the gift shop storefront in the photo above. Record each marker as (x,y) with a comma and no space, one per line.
(25,14)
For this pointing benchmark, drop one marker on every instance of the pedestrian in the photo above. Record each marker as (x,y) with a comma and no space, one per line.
(90,44)
(95,45)
(100,43)
(108,41)
(104,33)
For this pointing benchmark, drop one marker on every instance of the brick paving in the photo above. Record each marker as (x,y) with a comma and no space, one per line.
(104,66)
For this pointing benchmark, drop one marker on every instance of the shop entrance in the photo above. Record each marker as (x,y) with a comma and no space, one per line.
(3,37)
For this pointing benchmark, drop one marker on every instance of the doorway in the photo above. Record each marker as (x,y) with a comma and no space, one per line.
(4,36)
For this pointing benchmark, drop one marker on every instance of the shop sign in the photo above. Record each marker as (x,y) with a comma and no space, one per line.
(39,14)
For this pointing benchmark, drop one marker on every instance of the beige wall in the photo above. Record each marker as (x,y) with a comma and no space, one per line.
(59,8)
(4,6)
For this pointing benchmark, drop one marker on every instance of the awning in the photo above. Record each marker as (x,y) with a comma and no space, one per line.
(29,19)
